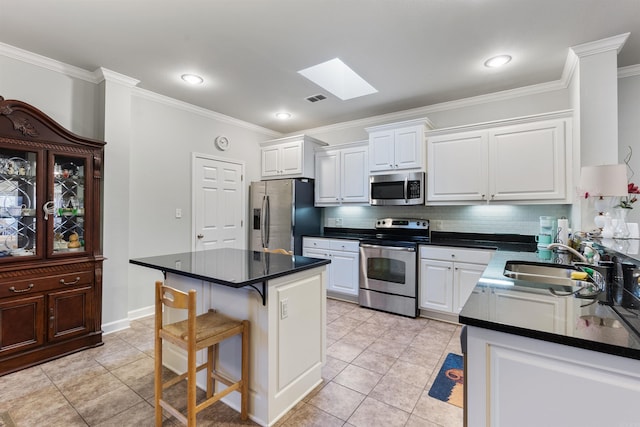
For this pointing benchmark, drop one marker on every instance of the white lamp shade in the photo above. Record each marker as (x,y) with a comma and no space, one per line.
(604,180)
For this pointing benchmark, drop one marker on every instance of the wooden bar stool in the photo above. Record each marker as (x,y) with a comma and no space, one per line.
(197,333)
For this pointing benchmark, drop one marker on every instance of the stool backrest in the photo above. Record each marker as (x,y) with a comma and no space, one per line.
(166,295)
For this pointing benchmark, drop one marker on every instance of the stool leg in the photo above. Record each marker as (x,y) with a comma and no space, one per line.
(158,380)
(244,394)
(191,386)
(210,366)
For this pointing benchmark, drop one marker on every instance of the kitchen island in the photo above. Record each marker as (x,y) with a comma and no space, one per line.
(534,359)
(284,298)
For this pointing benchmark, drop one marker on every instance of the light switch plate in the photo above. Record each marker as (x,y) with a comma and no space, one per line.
(284,308)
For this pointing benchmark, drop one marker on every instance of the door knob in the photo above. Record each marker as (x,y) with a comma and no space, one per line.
(200,236)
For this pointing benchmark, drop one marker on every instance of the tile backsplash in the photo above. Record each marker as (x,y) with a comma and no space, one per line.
(511,219)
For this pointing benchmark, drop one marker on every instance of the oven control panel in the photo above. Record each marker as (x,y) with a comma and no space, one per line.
(403,223)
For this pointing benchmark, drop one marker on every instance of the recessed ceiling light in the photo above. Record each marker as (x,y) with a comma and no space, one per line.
(336,77)
(192,79)
(497,61)
(283,115)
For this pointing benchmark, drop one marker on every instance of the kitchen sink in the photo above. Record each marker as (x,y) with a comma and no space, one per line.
(552,274)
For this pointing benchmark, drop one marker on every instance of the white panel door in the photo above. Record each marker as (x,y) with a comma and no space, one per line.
(466,277)
(408,147)
(528,161)
(218,203)
(354,175)
(457,166)
(436,285)
(327,183)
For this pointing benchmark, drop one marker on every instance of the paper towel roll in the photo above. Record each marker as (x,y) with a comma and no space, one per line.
(563,231)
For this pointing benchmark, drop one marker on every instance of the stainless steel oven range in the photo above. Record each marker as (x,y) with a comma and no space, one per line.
(389,265)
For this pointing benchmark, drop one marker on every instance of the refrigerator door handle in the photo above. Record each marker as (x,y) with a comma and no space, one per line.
(267,222)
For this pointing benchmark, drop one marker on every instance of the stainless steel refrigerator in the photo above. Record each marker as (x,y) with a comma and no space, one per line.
(282,212)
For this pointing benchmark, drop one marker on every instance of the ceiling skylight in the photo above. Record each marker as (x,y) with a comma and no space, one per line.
(336,77)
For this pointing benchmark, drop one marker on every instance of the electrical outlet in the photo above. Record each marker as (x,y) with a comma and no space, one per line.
(338,222)
(178,265)
(284,308)
(438,225)
(178,213)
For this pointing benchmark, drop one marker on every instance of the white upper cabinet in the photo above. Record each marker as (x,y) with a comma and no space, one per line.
(342,175)
(291,157)
(397,146)
(522,160)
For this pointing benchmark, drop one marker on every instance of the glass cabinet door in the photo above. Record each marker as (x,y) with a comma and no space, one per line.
(67,207)
(18,204)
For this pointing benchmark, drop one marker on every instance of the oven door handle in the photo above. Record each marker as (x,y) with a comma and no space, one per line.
(390,248)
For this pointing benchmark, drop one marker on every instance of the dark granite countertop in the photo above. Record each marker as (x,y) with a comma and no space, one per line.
(584,327)
(576,323)
(230,267)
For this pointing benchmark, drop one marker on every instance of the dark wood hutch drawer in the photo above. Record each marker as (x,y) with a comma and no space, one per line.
(24,287)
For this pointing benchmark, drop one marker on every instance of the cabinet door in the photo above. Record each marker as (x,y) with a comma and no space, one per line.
(71,214)
(344,277)
(21,194)
(528,161)
(408,148)
(529,310)
(21,324)
(457,166)
(436,285)
(270,161)
(381,150)
(466,277)
(354,175)
(291,158)
(69,313)
(327,183)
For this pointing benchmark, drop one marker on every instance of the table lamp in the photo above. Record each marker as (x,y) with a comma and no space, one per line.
(604,183)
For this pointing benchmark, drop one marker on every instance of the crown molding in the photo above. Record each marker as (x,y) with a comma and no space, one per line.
(419,112)
(599,46)
(103,74)
(553,115)
(630,71)
(185,106)
(47,63)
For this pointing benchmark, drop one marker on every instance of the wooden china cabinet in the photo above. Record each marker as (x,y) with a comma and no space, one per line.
(50,229)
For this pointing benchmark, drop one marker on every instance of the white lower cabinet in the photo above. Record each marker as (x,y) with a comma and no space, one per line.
(448,276)
(343,272)
(540,311)
(513,380)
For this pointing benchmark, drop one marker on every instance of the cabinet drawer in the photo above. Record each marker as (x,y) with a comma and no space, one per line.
(447,253)
(41,284)
(345,245)
(315,243)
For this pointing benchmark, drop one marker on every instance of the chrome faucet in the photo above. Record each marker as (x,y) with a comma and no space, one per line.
(570,249)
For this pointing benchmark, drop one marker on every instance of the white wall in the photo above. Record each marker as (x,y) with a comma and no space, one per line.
(165,134)
(629,129)
(70,101)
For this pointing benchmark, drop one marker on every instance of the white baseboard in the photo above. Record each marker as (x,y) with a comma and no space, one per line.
(141,312)
(119,325)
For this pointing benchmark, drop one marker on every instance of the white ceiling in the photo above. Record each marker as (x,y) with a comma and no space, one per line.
(414,52)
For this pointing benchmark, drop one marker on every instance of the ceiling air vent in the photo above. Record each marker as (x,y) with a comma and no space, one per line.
(316,98)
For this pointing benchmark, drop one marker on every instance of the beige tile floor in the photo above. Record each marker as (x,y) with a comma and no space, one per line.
(378,373)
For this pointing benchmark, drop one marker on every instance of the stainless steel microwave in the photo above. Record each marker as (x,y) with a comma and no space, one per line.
(397,189)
